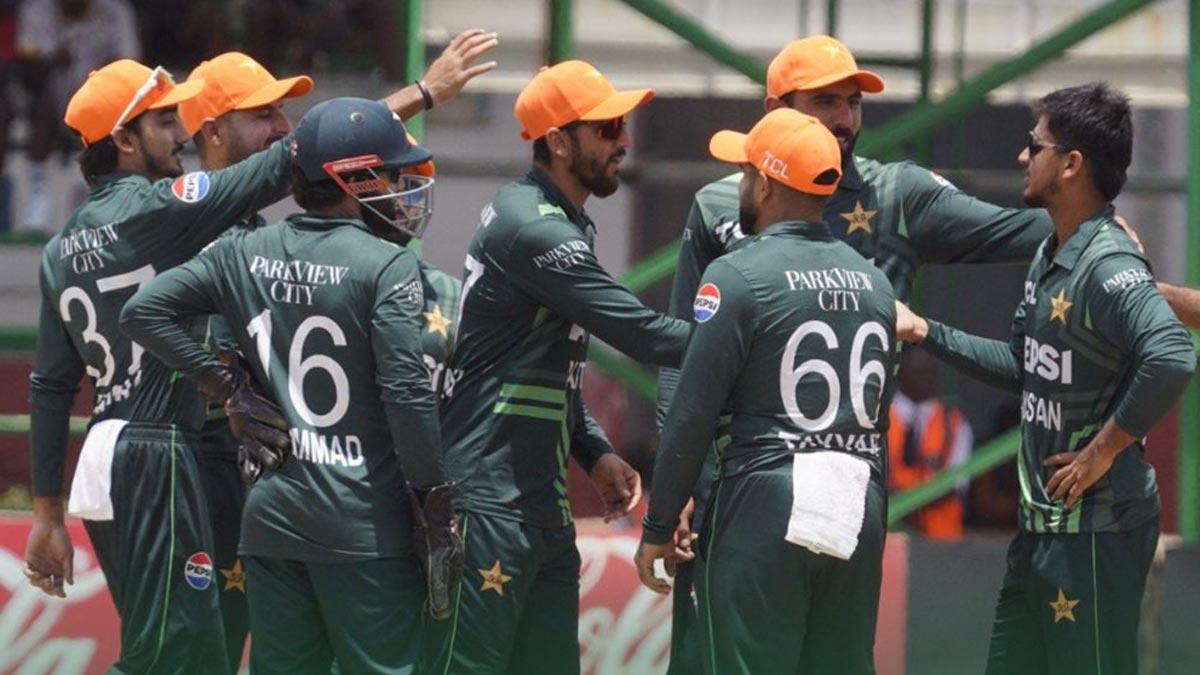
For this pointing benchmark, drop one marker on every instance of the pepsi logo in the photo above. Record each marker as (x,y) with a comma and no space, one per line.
(198,571)
(708,301)
(191,188)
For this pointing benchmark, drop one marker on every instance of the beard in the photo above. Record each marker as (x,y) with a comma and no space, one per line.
(846,141)
(165,167)
(592,173)
(1038,200)
(747,220)
(380,224)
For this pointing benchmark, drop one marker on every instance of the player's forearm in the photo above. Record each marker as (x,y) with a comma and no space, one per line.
(407,102)
(49,508)
(989,361)
(1163,371)
(1111,440)
(668,381)
(418,440)
(685,443)
(49,431)
(151,319)
(1185,302)
(588,440)
(648,338)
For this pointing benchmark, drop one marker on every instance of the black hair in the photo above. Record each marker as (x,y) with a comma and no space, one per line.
(541,149)
(1094,119)
(314,195)
(100,158)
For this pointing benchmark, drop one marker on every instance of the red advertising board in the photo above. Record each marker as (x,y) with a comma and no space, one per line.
(624,628)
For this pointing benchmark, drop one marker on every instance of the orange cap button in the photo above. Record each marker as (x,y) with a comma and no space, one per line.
(788,146)
(572,91)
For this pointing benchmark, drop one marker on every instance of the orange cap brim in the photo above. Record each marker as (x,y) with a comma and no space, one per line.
(619,104)
(289,87)
(184,91)
(729,146)
(868,82)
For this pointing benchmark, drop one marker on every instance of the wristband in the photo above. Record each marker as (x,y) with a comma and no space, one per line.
(425,94)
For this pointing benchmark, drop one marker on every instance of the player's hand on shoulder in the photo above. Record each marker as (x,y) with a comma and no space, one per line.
(1129,230)
(909,326)
(456,66)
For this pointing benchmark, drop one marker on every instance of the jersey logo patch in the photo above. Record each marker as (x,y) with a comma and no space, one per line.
(198,571)
(708,301)
(941,180)
(191,188)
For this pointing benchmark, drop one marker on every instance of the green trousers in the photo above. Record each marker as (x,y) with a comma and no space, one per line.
(770,607)
(216,455)
(517,609)
(1071,603)
(365,615)
(156,554)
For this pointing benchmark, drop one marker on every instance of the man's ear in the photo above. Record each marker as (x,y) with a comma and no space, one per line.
(1074,165)
(126,141)
(559,143)
(212,132)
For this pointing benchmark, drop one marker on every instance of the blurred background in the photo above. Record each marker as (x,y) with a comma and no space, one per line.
(959,73)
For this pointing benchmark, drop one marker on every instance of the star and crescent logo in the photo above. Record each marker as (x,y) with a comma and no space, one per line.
(1059,306)
(1063,607)
(494,579)
(859,219)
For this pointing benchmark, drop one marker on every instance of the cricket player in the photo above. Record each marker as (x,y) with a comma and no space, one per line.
(138,487)
(328,313)
(238,112)
(1097,357)
(898,215)
(794,341)
(532,295)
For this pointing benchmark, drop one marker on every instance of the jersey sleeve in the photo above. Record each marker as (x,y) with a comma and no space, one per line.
(994,362)
(588,440)
(57,371)
(1124,305)
(155,317)
(195,208)
(715,356)
(696,251)
(409,401)
(946,225)
(551,261)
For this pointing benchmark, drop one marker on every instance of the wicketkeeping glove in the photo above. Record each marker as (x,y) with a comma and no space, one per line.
(438,545)
(254,419)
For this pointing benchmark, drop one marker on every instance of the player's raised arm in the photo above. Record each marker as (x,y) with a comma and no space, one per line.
(447,75)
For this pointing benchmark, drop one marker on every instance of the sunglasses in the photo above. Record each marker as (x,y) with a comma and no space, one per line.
(609,130)
(160,79)
(1035,145)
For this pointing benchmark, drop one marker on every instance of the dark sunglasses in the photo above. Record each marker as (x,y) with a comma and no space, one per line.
(609,130)
(1036,144)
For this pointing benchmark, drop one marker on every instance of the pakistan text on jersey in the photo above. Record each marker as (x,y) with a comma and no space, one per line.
(83,247)
(1127,279)
(1043,412)
(295,280)
(309,446)
(869,443)
(116,393)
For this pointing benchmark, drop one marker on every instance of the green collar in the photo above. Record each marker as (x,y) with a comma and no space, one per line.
(798,227)
(851,178)
(556,198)
(1068,254)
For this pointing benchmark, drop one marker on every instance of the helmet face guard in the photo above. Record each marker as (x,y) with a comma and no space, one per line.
(406,205)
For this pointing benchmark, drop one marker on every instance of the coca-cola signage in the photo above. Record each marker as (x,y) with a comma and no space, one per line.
(624,628)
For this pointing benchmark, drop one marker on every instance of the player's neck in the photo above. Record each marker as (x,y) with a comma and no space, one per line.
(1069,211)
(568,184)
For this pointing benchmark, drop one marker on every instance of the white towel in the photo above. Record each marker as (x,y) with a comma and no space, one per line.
(829,500)
(90,498)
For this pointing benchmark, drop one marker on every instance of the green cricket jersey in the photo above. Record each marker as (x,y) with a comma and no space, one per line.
(1091,340)
(129,230)
(442,294)
(898,215)
(794,338)
(329,317)
(512,409)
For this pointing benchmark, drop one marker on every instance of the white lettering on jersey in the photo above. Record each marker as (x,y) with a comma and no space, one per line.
(309,446)
(1047,362)
(1037,410)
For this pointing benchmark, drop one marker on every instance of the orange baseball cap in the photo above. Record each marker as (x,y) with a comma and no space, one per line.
(234,81)
(788,146)
(571,91)
(119,92)
(816,62)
